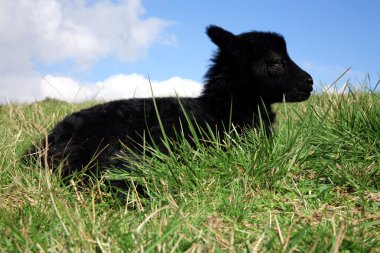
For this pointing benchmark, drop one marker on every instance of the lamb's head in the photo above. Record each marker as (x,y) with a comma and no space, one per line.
(261,65)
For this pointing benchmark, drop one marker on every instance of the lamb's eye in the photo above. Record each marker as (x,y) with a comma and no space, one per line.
(275,68)
(276,65)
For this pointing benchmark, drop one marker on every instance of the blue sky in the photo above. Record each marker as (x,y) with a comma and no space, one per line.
(323,37)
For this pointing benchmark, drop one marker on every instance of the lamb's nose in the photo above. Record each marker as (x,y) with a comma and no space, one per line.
(309,81)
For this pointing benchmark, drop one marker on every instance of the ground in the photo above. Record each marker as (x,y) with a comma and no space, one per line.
(313,187)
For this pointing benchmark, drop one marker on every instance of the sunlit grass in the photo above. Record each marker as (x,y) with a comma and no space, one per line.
(313,187)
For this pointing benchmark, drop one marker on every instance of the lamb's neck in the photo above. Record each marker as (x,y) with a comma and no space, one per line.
(227,103)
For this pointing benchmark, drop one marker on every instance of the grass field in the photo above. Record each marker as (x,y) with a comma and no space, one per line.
(313,187)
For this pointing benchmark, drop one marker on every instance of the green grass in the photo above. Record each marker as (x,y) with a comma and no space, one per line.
(313,187)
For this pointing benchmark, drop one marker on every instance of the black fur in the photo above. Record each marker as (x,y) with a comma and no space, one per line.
(251,70)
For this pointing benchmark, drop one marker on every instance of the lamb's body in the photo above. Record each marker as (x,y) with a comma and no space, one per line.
(102,131)
(250,72)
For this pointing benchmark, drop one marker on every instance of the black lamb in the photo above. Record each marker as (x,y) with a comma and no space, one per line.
(248,73)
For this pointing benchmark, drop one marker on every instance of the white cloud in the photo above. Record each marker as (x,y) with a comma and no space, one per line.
(336,90)
(54,31)
(57,30)
(23,88)
(116,87)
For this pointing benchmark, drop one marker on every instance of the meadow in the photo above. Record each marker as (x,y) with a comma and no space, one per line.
(314,186)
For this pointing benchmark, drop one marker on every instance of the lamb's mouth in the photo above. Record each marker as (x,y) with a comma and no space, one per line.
(297,95)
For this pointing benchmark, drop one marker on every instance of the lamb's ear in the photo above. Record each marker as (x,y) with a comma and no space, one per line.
(222,38)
